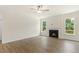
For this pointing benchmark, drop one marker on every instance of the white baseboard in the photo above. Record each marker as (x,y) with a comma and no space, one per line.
(7,41)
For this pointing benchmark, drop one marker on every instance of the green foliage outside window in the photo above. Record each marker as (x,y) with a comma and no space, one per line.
(69,26)
(44,25)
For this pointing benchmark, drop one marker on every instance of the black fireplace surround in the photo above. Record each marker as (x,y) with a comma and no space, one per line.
(53,33)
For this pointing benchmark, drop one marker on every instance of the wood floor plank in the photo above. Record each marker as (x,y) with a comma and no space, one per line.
(40,44)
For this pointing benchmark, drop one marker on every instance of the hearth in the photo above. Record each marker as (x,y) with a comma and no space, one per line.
(53,33)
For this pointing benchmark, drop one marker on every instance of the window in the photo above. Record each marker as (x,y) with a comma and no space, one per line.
(69,26)
(44,25)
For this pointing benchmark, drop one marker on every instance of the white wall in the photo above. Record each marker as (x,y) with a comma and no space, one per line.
(1,22)
(57,22)
(18,25)
(0,30)
(51,22)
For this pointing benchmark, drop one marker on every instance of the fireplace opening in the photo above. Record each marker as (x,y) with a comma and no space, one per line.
(53,33)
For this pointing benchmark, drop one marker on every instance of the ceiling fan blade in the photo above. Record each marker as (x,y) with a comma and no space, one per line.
(45,10)
(33,9)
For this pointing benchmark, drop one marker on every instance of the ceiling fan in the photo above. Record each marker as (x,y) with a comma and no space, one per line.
(40,8)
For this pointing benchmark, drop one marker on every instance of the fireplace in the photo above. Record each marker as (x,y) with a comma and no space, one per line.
(53,33)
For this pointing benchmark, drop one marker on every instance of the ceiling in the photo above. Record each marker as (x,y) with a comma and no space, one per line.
(59,9)
(53,9)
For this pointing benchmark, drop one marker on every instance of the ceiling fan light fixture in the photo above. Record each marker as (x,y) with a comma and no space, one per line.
(39,12)
(40,9)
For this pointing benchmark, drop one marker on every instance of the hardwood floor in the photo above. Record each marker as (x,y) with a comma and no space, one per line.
(41,44)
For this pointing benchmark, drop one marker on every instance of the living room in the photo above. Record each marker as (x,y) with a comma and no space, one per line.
(39,28)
